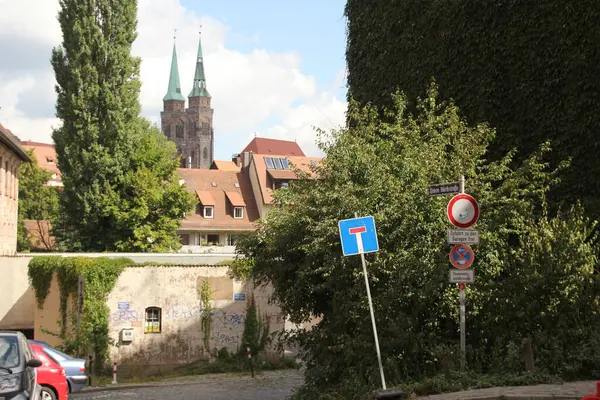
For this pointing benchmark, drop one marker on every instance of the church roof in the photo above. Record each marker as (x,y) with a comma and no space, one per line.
(199,89)
(174,90)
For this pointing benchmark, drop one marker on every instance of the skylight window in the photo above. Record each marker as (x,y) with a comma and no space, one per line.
(237,185)
(213,184)
(285,163)
(269,162)
(277,162)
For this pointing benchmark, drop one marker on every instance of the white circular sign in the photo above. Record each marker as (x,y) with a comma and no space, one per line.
(463,210)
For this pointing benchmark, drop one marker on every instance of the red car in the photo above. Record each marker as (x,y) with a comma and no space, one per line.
(51,376)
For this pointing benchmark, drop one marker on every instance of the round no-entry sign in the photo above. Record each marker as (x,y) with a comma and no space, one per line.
(463,211)
(462,256)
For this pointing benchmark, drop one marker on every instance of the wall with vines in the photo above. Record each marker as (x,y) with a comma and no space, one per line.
(100,275)
(529,68)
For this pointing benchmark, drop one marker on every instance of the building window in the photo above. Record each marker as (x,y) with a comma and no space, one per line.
(238,212)
(199,209)
(184,239)
(179,130)
(153,320)
(209,211)
(280,184)
(232,239)
(212,239)
(167,130)
(269,162)
(205,154)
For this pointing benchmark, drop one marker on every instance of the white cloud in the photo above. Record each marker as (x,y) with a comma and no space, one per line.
(248,89)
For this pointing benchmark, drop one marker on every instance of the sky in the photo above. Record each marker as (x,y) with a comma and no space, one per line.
(274,68)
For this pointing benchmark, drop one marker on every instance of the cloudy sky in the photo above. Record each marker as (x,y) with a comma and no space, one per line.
(274,68)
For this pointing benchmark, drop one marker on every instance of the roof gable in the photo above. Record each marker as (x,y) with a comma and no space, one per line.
(274,146)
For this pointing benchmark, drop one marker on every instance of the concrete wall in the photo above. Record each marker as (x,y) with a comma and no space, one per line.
(175,290)
(9,195)
(17,300)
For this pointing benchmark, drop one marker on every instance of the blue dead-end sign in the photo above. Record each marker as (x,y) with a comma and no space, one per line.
(358,235)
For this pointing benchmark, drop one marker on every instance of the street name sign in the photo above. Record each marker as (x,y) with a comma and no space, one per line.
(462,276)
(463,236)
(463,211)
(358,235)
(462,256)
(446,188)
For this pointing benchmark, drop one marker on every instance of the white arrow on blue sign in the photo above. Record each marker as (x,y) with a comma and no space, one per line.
(358,235)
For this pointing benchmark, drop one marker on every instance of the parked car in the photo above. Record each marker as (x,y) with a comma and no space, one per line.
(74,367)
(50,376)
(18,377)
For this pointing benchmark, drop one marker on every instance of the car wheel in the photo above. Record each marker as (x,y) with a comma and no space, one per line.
(47,394)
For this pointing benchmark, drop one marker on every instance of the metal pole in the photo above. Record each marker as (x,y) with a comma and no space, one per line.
(462,289)
(364,265)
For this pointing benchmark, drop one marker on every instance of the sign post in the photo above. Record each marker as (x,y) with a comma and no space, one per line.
(462,287)
(358,236)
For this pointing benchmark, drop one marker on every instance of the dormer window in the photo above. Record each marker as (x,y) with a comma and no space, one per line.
(269,162)
(50,160)
(238,212)
(209,211)
(277,162)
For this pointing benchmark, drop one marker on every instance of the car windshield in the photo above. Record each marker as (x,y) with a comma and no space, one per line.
(9,352)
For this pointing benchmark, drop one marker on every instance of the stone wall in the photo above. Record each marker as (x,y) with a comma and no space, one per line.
(175,292)
(9,195)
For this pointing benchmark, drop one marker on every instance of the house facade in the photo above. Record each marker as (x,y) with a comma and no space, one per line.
(225,210)
(11,157)
(270,165)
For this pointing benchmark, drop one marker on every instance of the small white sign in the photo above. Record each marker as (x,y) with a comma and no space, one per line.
(462,276)
(463,236)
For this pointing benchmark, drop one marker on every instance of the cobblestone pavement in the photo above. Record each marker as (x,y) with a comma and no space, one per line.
(270,386)
(567,391)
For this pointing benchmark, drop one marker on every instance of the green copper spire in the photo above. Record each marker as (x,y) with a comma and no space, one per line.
(174,92)
(199,77)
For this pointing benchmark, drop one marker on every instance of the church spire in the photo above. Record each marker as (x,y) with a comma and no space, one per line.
(199,88)
(174,91)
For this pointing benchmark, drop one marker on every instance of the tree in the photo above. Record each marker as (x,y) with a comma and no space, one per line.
(37,202)
(529,69)
(119,173)
(382,167)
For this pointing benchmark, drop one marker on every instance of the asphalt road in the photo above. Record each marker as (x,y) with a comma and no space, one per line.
(271,386)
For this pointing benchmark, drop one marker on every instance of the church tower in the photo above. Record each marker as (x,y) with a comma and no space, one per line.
(191,129)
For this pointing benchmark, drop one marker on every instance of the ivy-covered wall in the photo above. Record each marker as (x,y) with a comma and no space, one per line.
(99,277)
(529,68)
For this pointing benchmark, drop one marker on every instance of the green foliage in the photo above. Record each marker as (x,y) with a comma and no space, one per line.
(240,268)
(100,276)
(256,332)
(205,295)
(535,275)
(36,200)
(529,68)
(121,190)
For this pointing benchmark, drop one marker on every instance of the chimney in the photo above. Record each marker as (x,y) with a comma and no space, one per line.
(246,159)
(189,162)
(236,159)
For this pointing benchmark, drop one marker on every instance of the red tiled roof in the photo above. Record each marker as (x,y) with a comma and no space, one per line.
(235,199)
(224,166)
(274,146)
(205,198)
(200,181)
(258,160)
(45,155)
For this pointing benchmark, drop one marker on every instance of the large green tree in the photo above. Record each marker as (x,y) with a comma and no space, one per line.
(535,275)
(119,173)
(529,68)
(37,202)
